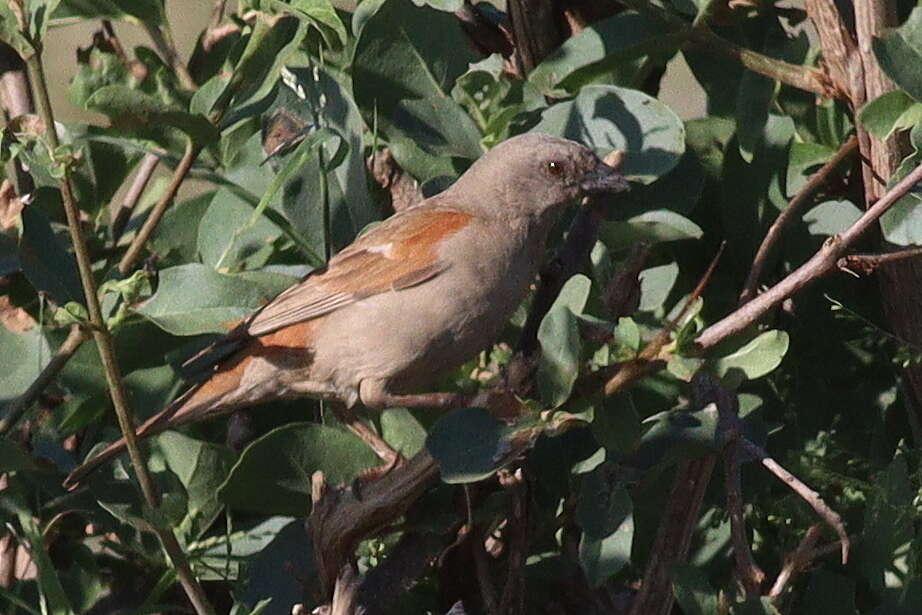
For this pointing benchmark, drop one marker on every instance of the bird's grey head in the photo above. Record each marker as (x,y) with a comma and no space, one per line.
(533,173)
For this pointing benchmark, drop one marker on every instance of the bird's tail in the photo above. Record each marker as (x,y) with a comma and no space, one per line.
(219,394)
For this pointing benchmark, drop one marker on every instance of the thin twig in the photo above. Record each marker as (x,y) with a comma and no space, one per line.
(796,561)
(136,247)
(812,498)
(788,214)
(103,338)
(818,265)
(869,263)
(22,403)
(142,176)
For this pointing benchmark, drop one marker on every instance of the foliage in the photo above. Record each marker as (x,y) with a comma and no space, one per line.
(816,384)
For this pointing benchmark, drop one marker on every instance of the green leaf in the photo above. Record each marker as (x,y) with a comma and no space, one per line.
(755,98)
(12,34)
(136,112)
(449,6)
(322,15)
(605,514)
(902,223)
(54,599)
(225,237)
(193,299)
(351,207)
(406,55)
(601,47)
(273,40)
(678,434)
(889,113)
(558,335)
(176,237)
(657,226)
(273,474)
(402,431)
(831,217)
(289,551)
(655,286)
(201,468)
(607,118)
(23,357)
(469,445)
(693,592)
(899,54)
(47,264)
(757,358)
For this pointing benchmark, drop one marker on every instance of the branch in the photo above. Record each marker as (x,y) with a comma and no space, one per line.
(701,37)
(18,407)
(142,176)
(103,339)
(796,561)
(786,216)
(869,263)
(130,258)
(812,498)
(818,265)
(750,575)
(343,516)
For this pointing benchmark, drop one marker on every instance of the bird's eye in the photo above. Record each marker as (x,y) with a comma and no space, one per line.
(554,168)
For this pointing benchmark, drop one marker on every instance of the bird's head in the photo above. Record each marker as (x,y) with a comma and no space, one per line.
(534,173)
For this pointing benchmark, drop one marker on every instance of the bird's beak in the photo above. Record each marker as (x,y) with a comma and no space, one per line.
(603,179)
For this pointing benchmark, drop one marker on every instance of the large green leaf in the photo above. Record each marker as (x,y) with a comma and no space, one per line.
(47,264)
(226,240)
(756,358)
(602,46)
(558,335)
(468,444)
(652,227)
(351,208)
(406,61)
(889,113)
(607,118)
(201,468)
(899,54)
(139,113)
(193,299)
(273,474)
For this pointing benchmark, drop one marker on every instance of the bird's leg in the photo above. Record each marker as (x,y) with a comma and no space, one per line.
(441,401)
(368,435)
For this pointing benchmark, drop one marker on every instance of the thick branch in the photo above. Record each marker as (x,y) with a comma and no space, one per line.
(789,213)
(818,265)
(106,348)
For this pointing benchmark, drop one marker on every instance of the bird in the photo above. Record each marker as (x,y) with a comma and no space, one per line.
(413,297)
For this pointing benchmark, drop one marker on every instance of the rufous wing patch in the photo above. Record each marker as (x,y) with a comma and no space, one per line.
(402,251)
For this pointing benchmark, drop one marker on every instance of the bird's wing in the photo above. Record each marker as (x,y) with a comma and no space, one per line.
(401,252)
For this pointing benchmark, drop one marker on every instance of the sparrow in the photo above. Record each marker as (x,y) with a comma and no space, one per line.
(417,295)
